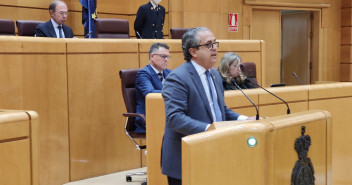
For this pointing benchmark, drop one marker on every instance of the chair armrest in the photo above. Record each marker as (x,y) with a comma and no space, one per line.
(134,115)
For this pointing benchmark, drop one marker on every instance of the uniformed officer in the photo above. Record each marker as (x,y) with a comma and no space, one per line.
(150,21)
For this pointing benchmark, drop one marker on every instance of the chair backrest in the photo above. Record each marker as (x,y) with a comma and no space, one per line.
(7,27)
(112,28)
(249,70)
(128,79)
(27,27)
(177,33)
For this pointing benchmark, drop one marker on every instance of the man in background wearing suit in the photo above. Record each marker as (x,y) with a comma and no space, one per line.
(150,21)
(150,79)
(55,26)
(194,98)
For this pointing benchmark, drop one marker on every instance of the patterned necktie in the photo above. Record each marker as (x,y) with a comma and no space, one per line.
(60,34)
(160,75)
(215,101)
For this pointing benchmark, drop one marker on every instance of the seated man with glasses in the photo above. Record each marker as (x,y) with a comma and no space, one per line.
(150,79)
(55,26)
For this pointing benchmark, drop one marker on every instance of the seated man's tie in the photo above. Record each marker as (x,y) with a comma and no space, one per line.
(60,33)
(161,77)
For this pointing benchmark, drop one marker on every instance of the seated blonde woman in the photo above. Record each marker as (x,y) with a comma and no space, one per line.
(229,69)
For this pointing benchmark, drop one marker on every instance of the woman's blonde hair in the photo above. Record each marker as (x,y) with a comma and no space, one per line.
(224,67)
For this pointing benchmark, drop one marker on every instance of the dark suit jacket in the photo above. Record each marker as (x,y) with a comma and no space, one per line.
(245,85)
(47,30)
(187,112)
(147,81)
(149,23)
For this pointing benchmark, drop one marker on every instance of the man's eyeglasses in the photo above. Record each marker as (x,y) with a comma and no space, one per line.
(209,45)
(63,13)
(163,56)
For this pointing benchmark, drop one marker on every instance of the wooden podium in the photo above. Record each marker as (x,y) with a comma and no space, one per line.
(258,152)
(19,147)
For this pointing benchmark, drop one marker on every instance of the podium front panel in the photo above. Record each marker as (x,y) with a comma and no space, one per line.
(225,156)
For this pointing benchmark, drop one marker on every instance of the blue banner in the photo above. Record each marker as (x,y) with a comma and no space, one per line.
(89,14)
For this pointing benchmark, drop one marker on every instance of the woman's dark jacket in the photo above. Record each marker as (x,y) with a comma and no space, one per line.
(245,85)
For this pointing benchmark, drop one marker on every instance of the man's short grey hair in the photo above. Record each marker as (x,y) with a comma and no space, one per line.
(190,40)
(154,47)
(53,4)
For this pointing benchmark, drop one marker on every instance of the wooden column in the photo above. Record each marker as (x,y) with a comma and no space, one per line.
(346,41)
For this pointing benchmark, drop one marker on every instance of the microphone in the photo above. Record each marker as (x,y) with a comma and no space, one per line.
(238,87)
(250,74)
(88,34)
(139,35)
(299,81)
(288,108)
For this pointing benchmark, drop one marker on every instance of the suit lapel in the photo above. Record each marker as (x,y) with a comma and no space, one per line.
(65,29)
(51,29)
(155,77)
(150,6)
(198,83)
(166,72)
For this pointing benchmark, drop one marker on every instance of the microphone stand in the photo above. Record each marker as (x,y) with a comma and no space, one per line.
(88,34)
(288,108)
(238,87)
(139,35)
(299,80)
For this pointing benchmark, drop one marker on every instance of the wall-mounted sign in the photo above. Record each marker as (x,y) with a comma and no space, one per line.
(233,21)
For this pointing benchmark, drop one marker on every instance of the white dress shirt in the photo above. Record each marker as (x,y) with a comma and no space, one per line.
(157,71)
(55,25)
(201,72)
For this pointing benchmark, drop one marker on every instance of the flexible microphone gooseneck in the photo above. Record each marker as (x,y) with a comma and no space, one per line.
(299,81)
(88,34)
(288,108)
(139,35)
(238,87)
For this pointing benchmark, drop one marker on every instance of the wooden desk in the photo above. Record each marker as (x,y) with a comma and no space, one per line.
(224,155)
(336,98)
(19,147)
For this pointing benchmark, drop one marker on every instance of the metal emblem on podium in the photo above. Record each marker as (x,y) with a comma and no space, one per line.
(303,172)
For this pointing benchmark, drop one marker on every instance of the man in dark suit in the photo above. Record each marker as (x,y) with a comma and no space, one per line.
(150,78)
(194,98)
(150,21)
(55,26)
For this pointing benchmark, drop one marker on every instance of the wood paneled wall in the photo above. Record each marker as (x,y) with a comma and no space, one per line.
(311,3)
(34,77)
(326,39)
(326,65)
(98,144)
(38,10)
(346,41)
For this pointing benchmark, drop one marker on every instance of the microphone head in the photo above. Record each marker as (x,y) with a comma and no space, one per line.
(294,74)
